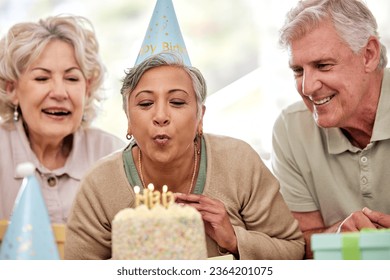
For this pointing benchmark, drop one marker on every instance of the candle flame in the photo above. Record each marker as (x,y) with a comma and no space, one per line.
(150,197)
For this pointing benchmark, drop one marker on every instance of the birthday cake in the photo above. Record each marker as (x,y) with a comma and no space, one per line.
(158,232)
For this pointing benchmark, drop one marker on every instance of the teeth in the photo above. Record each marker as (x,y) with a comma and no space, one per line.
(322,101)
(56,112)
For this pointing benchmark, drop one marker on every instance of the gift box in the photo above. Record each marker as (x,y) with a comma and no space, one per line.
(368,244)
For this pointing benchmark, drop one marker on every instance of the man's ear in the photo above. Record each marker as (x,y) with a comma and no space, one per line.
(372,53)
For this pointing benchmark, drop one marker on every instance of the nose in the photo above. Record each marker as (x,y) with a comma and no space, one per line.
(310,83)
(58,90)
(161,115)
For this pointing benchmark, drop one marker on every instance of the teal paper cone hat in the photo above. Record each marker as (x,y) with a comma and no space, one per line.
(29,235)
(163,34)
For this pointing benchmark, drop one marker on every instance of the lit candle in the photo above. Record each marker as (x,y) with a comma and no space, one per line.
(167,197)
(149,197)
(137,195)
(164,196)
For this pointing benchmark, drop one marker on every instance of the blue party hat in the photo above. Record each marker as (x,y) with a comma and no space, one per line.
(163,34)
(29,235)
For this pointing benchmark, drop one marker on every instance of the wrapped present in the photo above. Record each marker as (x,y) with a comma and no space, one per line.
(368,244)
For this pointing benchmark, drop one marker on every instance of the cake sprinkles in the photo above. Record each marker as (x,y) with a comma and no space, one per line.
(158,230)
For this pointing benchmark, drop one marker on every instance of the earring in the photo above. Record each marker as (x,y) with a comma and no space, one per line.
(200,132)
(84,117)
(129,136)
(16,113)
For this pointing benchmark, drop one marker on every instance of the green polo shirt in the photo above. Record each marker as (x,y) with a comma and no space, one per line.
(319,169)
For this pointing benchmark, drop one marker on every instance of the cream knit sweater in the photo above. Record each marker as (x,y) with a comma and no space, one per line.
(263,224)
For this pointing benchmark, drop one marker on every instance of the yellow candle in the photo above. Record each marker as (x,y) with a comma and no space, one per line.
(170,198)
(137,195)
(156,198)
(149,197)
(164,196)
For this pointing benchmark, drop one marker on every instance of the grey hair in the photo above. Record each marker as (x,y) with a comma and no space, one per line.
(133,76)
(24,43)
(352,20)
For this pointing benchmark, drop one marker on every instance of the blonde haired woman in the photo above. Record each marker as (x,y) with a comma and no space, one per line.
(50,76)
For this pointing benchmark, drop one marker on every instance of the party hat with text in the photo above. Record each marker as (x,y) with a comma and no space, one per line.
(163,34)
(29,235)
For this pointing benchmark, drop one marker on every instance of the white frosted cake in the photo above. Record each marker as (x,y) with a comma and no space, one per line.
(159,233)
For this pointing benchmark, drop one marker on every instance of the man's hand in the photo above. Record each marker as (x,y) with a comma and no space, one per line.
(366,218)
(379,219)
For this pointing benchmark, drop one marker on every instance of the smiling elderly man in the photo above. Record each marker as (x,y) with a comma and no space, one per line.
(329,151)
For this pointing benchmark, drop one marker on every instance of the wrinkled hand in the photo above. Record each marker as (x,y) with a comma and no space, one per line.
(379,219)
(215,218)
(365,219)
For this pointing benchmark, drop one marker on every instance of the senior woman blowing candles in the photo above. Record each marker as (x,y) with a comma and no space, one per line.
(50,77)
(239,201)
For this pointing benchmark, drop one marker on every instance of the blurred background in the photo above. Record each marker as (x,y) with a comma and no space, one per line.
(234,44)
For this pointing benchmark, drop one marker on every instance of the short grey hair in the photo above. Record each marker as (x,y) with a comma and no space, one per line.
(352,20)
(133,76)
(24,43)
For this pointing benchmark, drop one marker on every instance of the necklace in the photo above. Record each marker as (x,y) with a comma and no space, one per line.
(196,153)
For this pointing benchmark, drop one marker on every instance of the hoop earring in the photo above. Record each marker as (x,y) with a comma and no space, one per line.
(16,113)
(129,136)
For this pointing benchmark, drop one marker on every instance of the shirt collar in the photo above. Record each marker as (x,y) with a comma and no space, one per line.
(338,142)
(21,148)
(77,162)
(22,153)
(382,119)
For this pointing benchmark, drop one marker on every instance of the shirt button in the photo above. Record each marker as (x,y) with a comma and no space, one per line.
(364,180)
(52,181)
(363,159)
